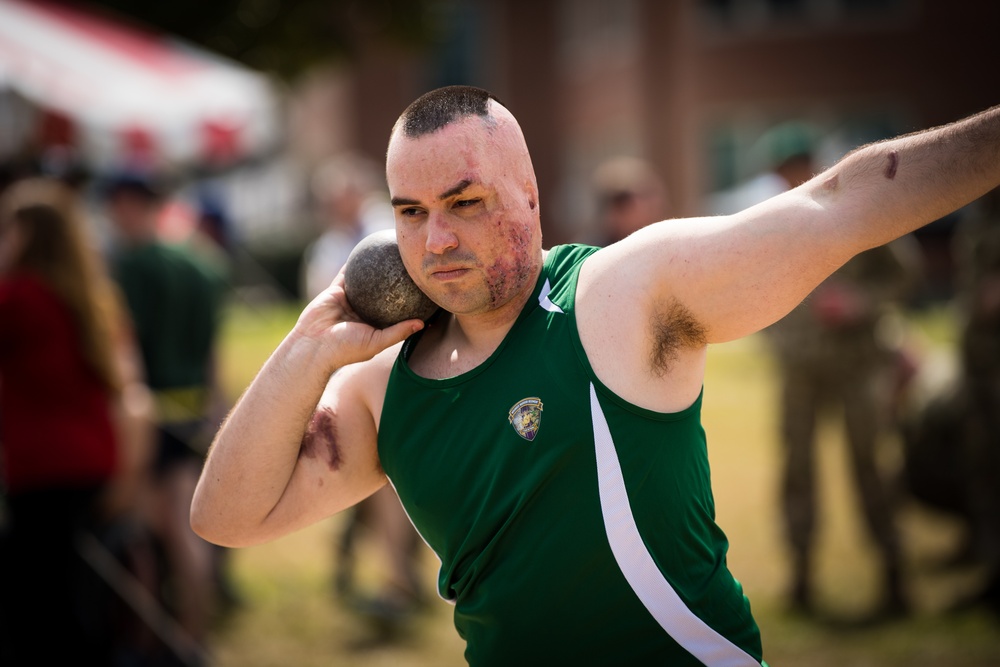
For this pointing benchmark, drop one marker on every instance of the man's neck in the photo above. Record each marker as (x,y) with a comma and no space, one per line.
(456,344)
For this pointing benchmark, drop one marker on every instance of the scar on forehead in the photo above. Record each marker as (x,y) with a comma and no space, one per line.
(320,438)
(890,169)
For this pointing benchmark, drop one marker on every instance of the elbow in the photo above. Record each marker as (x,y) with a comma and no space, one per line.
(211,526)
(203,525)
(225,529)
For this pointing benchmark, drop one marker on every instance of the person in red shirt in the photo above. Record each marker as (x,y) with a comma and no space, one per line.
(61,381)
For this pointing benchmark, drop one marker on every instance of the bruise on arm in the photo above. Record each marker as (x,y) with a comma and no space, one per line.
(892,166)
(320,438)
(673,327)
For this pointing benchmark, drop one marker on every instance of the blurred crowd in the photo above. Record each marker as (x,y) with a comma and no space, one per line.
(110,396)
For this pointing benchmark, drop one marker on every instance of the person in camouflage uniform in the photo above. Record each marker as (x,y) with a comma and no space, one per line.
(977,250)
(830,353)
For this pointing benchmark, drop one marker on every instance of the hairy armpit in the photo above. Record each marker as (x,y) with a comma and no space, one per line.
(673,328)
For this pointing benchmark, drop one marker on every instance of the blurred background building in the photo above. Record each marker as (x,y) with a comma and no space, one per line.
(690,85)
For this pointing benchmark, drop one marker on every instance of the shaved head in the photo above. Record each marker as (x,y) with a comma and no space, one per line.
(433,110)
(501,137)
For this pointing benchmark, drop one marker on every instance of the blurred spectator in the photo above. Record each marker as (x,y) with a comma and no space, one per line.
(175,303)
(211,238)
(979,262)
(72,436)
(832,351)
(788,153)
(213,218)
(953,442)
(630,195)
(63,163)
(352,202)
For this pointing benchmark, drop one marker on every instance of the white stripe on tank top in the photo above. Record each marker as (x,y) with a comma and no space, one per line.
(639,568)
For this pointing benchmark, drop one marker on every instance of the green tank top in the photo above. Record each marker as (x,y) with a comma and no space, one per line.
(573,527)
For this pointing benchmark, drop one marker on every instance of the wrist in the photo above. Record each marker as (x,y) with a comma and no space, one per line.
(303,356)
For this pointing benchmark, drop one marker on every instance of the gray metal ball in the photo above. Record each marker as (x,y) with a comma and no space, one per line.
(378,287)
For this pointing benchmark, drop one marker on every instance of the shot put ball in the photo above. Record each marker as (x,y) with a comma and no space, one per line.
(378,287)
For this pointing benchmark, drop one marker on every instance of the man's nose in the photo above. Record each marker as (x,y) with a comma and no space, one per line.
(440,234)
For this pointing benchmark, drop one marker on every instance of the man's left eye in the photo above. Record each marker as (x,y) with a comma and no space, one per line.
(467,202)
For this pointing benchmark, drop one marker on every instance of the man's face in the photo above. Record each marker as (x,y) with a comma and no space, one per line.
(133,214)
(466,214)
(629,211)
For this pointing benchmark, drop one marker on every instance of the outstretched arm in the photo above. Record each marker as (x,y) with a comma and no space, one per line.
(648,306)
(279,464)
(737,274)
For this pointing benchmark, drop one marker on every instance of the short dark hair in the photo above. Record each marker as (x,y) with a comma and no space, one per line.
(437,108)
(137,183)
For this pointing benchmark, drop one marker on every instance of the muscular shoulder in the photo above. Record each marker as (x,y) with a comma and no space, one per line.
(641,340)
(363,384)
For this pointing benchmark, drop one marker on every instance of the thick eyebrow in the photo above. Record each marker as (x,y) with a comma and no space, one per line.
(457,189)
(402,201)
(450,192)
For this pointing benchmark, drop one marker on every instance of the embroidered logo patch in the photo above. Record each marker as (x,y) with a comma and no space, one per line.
(526,417)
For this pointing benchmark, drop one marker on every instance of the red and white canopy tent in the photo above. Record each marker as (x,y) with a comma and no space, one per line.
(119,94)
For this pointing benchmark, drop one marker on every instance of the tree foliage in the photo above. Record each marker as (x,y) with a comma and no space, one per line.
(285,36)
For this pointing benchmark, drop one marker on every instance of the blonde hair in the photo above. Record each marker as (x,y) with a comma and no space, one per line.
(58,250)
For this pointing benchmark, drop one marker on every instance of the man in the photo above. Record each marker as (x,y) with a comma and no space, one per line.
(350,205)
(831,350)
(787,150)
(175,305)
(977,400)
(544,434)
(630,195)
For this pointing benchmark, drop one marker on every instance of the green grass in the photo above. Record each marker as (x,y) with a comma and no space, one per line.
(291,617)
(248,336)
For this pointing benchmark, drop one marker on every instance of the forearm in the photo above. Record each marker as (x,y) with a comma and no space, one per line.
(253,466)
(890,188)
(254,454)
